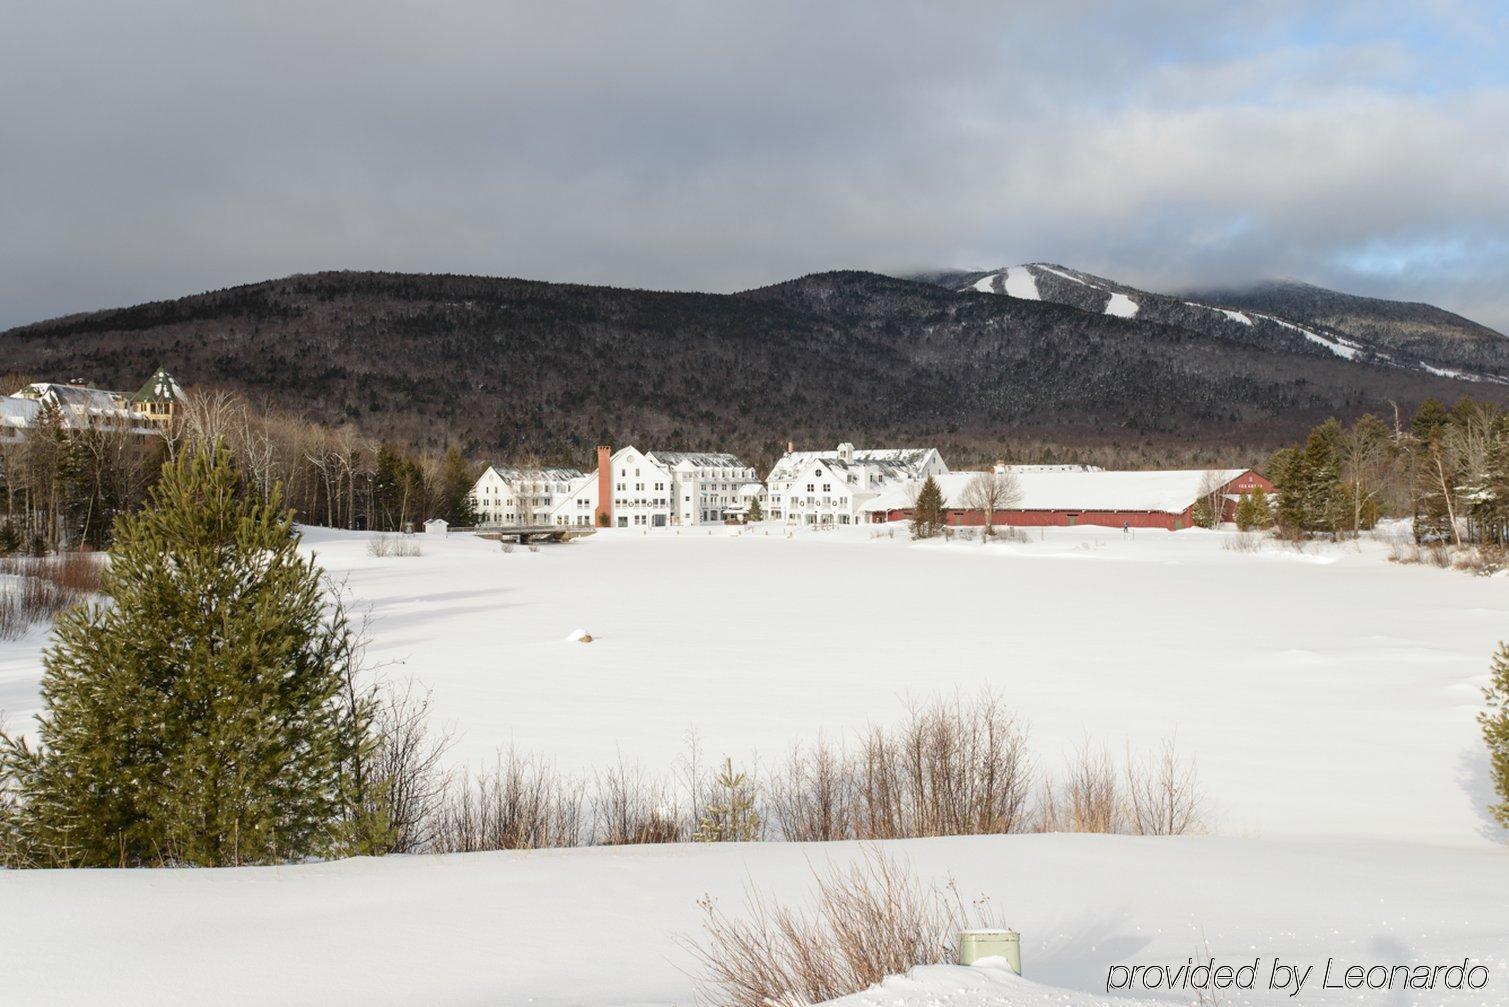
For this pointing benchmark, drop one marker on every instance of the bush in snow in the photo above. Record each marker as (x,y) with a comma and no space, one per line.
(872,919)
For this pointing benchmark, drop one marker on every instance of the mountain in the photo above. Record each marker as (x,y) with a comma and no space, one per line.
(522,369)
(1281,315)
(1405,328)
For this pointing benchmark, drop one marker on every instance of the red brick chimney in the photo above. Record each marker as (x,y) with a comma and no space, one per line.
(603,516)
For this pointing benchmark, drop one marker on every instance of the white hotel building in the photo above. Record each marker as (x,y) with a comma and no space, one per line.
(629,489)
(832,487)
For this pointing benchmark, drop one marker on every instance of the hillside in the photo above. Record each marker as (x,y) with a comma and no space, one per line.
(1295,317)
(1404,326)
(522,368)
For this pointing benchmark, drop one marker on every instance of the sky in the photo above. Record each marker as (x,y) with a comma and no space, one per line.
(165,147)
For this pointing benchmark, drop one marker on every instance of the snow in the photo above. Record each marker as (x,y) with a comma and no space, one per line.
(1021,283)
(1014,281)
(603,926)
(1327,695)
(1340,347)
(1121,306)
(1236,316)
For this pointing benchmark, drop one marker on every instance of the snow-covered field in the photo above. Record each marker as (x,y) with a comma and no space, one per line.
(1327,695)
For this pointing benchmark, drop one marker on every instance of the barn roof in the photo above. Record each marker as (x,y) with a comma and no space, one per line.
(1169,492)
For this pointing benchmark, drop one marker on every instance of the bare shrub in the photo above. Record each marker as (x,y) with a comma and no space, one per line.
(384,544)
(1483,560)
(1437,554)
(521,804)
(408,759)
(814,798)
(871,919)
(1162,798)
(629,808)
(1403,549)
(534,547)
(1088,796)
(1244,541)
(948,770)
(38,589)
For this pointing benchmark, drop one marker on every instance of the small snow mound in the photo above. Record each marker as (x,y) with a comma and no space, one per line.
(579,636)
(1121,306)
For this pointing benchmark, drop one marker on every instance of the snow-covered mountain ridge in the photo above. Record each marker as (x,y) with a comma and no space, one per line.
(1289,316)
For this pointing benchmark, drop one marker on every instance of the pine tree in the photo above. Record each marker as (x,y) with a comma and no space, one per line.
(199,718)
(756,512)
(732,819)
(453,498)
(1245,515)
(927,512)
(1262,509)
(1495,721)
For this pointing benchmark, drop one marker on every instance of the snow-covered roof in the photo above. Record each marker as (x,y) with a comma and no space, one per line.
(1165,491)
(18,412)
(697,459)
(512,474)
(160,387)
(910,460)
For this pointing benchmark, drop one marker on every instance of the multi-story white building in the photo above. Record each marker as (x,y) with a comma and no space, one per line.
(706,486)
(629,489)
(505,495)
(831,488)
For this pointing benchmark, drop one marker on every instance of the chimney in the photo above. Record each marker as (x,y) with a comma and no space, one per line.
(1000,466)
(791,447)
(603,516)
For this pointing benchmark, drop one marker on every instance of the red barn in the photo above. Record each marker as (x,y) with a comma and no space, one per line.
(1054,496)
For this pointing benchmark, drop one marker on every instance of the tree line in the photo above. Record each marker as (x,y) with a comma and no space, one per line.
(63,486)
(1446,469)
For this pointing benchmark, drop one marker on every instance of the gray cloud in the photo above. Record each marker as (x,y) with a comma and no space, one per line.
(164,148)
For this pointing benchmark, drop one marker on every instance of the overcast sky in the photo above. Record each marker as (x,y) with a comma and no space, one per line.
(155,149)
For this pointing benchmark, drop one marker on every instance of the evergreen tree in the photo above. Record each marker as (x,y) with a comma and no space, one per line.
(199,718)
(927,512)
(1262,509)
(756,512)
(453,499)
(1495,721)
(732,818)
(1286,470)
(1203,514)
(1245,516)
(1320,481)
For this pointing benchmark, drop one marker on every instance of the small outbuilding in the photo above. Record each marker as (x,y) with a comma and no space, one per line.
(437,526)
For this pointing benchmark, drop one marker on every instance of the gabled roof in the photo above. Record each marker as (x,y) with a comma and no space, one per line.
(160,387)
(1170,492)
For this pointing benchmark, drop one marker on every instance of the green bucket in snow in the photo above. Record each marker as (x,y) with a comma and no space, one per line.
(977,944)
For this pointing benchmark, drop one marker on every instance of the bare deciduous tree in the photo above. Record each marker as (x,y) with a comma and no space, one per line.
(989,492)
